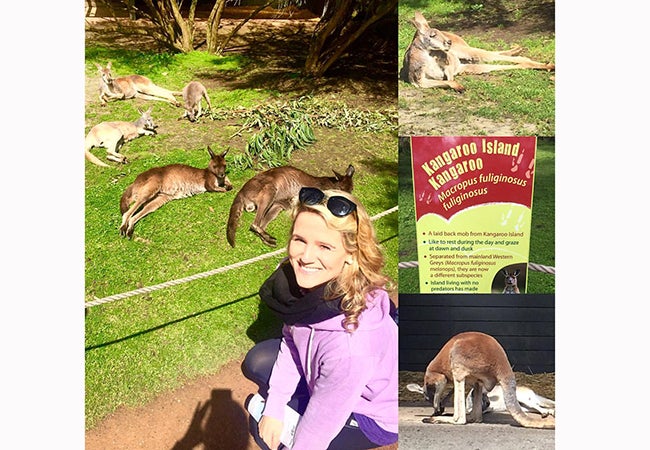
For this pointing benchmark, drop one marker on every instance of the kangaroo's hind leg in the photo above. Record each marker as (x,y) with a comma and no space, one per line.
(153,92)
(113,147)
(155,203)
(262,219)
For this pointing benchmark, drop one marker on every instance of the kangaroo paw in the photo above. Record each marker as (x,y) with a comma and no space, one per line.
(269,240)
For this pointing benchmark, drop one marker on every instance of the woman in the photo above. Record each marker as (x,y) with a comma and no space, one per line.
(337,360)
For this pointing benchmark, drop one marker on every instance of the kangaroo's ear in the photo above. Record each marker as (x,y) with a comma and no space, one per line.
(223,155)
(210,152)
(420,22)
(337,175)
(109,65)
(516,272)
(99,66)
(505,272)
(350,171)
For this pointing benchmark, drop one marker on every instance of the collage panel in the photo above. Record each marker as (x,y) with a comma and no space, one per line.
(476,102)
(241,225)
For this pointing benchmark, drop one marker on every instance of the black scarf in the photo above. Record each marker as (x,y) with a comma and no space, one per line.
(291,304)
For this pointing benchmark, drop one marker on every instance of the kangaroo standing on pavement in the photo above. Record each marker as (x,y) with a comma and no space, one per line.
(130,86)
(152,189)
(272,191)
(479,361)
(193,93)
(112,135)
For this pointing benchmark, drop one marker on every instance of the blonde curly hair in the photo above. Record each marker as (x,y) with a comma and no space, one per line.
(365,273)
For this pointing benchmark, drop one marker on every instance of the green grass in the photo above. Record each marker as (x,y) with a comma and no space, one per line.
(542,234)
(140,346)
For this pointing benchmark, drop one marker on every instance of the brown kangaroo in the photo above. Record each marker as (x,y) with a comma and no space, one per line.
(435,57)
(272,191)
(152,189)
(193,93)
(112,135)
(480,362)
(131,86)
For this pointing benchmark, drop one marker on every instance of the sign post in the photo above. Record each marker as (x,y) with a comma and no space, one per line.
(473,207)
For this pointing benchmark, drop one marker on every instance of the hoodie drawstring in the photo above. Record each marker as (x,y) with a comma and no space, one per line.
(308,359)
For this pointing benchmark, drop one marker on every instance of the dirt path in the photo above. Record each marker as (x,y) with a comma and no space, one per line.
(207,414)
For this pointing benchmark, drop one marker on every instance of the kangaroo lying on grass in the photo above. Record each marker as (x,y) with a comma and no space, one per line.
(152,189)
(478,360)
(434,58)
(112,135)
(192,95)
(131,86)
(272,191)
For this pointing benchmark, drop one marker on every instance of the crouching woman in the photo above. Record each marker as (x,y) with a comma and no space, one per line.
(336,363)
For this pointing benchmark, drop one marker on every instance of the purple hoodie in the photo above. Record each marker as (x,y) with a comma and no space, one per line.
(345,373)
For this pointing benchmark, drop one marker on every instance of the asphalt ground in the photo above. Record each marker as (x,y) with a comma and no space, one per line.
(498,431)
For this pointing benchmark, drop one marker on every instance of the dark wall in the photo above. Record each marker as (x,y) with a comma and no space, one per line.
(523,324)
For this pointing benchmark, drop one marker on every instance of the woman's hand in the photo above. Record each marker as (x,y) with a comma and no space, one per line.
(271,431)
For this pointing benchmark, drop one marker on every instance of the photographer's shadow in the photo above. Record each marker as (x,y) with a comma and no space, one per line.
(219,424)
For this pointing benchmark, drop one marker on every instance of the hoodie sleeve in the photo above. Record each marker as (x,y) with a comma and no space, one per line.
(285,377)
(337,390)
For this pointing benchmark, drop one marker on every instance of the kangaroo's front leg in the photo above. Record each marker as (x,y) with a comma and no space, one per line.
(460,412)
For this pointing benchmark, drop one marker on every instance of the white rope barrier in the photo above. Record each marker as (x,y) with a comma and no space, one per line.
(144,290)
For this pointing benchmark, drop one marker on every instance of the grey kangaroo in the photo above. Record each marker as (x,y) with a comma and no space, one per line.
(272,191)
(130,86)
(193,93)
(511,282)
(152,189)
(435,57)
(112,135)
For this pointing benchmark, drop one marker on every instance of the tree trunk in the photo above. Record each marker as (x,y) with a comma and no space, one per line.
(213,25)
(172,30)
(342,23)
(221,47)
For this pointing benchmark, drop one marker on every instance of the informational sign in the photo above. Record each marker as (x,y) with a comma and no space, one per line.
(473,208)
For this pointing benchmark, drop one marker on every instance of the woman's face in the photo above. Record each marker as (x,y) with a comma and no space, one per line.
(316,252)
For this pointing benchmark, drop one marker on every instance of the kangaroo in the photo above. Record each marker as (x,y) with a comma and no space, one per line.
(152,189)
(130,86)
(272,191)
(511,282)
(478,360)
(112,135)
(192,95)
(435,57)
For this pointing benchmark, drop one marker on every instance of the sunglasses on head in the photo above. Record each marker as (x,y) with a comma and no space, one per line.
(337,204)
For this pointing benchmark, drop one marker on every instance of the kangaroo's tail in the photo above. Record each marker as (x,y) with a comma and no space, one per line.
(95,160)
(125,201)
(509,387)
(233,219)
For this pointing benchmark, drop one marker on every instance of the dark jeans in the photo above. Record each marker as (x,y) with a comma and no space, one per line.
(257,367)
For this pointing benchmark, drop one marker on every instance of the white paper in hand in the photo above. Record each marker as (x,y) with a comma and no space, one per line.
(291,417)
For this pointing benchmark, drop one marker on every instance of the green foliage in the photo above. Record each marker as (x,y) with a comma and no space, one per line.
(283,129)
